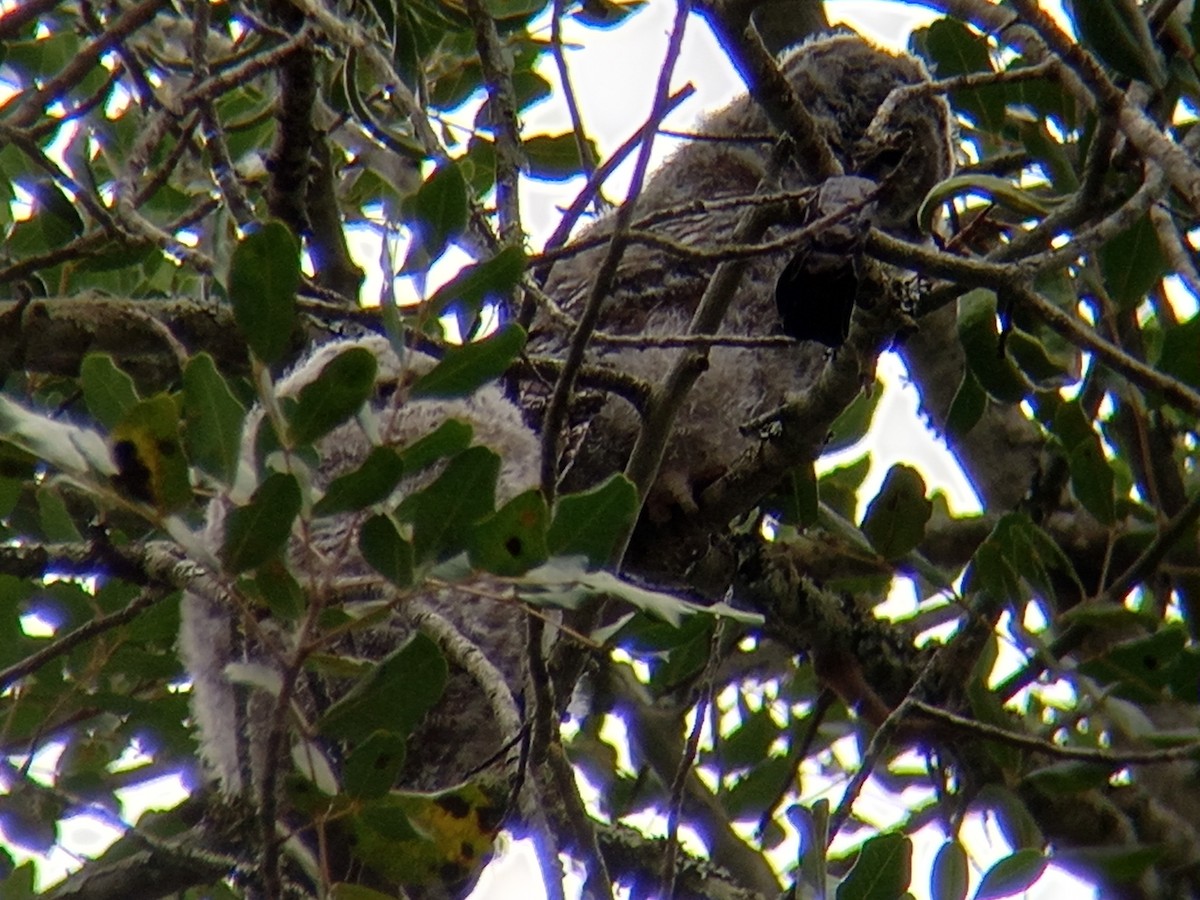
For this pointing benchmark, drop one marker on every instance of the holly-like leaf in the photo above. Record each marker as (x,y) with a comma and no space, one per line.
(372,482)
(1012,875)
(895,519)
(257,531)
(950,878)
(337,393)
(393,697)
(214,419)
(462,495)
(464,369)
(264,275)
(439,214)
(587,523)
(512,540)
(386,551)
(108,392)
(882,871)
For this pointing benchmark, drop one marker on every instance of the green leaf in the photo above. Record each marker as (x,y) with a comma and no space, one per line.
(264,275)
(512,540)
(954,49)
(1132,263)
(950,879)
(108,392)
(337,393)
(1068,777)
(758,788)
(448,439)
(852,423)
(839,486)
(148,451)
(554,157)
(605,13)
(1012,875)
(1180,354)
(588,523)
(439,214)
(477,284)
(1123,863)
(464,369)
(1092,481)
(54,517)
(882,871)
(279,590)
(967,407)
(372,482)
(797,501)
(895,519)
(462,495)
(999,190)
(213,418)
(1139,669)
(257,531)
(1117,32)
(393,697)
(984,353)
(386,551)
(374,765)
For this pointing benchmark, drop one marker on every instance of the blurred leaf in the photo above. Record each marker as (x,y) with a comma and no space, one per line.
(839,486)
(1122,863)
(279,590)
(213,417)
(374,764)
(371,483)
(448,439)
(438,212)
(797,501)
(1132,263)
(587,523)
(882,871)
(1140,669)
(337,393)
(895,519)
(264,275)
(758,788)
(79,451)
(513,539)
(257,531)
(1012,816)
(566,583)
(54,213)
(477,284)
(393,697)
(554,157)
(54,517)
(1117,32)
(968,406)
(443,512)
(439,839)
(852,423)
(1091,475)
(1180,353)
(606,13)
(950,879)
(984,353)
(953,49)
(386,551)
(1068,777)
(1012,875)
(464,369)
(148,451)
(999,190)
(108,392)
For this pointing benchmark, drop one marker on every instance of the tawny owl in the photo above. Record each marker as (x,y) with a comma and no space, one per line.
(899,140)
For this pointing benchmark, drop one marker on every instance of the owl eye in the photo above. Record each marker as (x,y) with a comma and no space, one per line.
(883,162)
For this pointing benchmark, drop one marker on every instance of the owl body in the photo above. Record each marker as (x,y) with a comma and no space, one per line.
(222,641)
(903,145)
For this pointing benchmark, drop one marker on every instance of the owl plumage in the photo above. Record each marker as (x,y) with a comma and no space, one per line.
(899,140)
